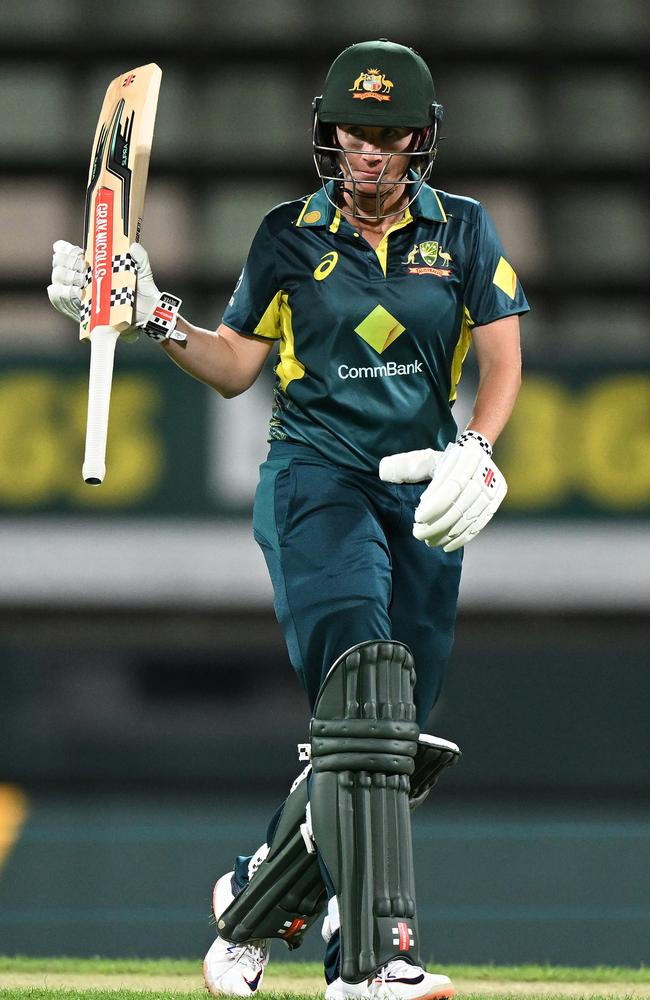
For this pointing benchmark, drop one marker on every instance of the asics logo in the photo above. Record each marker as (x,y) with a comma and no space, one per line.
(327,264)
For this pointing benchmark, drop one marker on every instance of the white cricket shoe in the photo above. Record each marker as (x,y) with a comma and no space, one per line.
(233,969)
(397,980)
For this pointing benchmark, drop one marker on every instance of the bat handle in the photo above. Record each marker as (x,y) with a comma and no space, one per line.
(102,351)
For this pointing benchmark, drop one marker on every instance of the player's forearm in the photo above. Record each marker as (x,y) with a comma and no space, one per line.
(208,357)
(495,400)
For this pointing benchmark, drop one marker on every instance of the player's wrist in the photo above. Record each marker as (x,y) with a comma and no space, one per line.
(161,321)
(470,435)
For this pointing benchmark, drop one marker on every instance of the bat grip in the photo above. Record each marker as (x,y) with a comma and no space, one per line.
(102,351)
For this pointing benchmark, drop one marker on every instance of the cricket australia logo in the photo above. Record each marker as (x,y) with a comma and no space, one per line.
(372,84)
(429,253)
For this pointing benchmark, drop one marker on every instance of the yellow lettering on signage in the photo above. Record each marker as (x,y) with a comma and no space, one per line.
(616,434)
(32,441)
(590,444)
(536,452)
(42,430)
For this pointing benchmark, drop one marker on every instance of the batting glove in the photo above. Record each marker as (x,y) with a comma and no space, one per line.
(155,312)
(68,276)
(409,466)
(465,491)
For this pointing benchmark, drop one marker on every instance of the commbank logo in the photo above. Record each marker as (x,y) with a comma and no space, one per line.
(387,370)
(379,329)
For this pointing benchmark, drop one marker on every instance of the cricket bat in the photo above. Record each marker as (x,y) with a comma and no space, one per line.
(117,181)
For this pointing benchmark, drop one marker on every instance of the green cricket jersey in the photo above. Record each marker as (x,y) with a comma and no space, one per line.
(371,342)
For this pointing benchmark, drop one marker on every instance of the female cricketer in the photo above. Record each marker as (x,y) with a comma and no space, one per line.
(373,289)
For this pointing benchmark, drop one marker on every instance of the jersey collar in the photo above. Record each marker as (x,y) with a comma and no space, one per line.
(427,205)
(318,212)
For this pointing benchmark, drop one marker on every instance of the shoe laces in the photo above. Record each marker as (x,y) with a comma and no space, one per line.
(254,954)
(381,989)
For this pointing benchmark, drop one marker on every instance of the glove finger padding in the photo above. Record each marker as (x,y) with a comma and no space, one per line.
(471,502)
(147,294)
(449,544)
(68,278)
(409,466)
(68,254)
(65,299)
(156,312)
(143,265)
(439,528)
(455,470)
(455,523)
(463,496)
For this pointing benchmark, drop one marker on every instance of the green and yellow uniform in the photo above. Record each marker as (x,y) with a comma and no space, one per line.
(372,342)
(371,345)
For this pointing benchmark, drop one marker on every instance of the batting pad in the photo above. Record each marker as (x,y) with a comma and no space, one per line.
(433,755)
(286,894)
(363,745)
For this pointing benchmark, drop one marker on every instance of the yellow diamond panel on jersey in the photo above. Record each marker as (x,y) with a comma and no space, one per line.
(379,329)
(371,341)
(505,278)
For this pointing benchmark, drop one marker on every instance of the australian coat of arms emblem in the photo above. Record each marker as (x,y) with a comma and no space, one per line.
(372,84)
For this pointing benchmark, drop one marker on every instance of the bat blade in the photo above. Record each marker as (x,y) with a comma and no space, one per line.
(117,181)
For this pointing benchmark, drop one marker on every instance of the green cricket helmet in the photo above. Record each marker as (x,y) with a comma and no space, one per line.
(377,83)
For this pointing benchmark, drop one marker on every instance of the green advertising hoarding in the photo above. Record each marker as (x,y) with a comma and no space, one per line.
(578,444)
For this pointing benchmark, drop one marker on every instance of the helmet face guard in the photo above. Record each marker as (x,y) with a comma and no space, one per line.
(332,165)
(375,84)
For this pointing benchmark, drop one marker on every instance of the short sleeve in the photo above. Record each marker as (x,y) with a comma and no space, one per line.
(253,306)
(492,289)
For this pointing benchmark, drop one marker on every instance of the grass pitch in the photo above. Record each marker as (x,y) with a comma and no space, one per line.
(24,978)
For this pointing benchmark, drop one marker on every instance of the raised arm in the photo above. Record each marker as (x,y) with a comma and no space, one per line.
(225,360)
